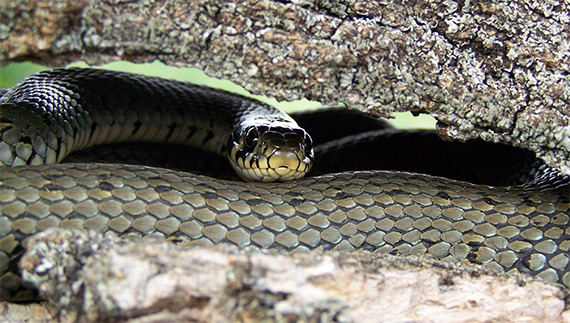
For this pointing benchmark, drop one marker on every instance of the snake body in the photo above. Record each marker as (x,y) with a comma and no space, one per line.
(518,228)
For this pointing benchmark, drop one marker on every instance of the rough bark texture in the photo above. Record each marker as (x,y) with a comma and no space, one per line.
(497,70)
(88,277)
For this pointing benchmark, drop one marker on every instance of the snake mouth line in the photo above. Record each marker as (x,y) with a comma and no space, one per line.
(269,174)
(270,151)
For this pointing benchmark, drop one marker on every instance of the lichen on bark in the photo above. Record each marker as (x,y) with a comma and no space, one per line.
(495,70)
(108,280)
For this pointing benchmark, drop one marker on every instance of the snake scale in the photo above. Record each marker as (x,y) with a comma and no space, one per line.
(48,115)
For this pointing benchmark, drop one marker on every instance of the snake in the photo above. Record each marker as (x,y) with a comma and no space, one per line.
(49,115)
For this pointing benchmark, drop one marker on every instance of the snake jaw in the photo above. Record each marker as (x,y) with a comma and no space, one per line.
(270,153)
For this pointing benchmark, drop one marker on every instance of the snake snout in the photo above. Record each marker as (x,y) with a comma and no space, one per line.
(284,160)
(270,153)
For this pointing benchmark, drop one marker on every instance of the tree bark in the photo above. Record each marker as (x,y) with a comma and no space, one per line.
(88,277)
(495,70)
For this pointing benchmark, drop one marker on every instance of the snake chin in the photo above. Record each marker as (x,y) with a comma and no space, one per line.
(268,153)
(295,170)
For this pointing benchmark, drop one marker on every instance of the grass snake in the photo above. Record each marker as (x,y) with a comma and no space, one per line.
(45,117)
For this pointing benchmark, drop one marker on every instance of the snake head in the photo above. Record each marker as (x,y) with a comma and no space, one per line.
(270,152)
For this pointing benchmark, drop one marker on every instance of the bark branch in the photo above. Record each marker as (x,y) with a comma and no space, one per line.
(88,277)
(493,70)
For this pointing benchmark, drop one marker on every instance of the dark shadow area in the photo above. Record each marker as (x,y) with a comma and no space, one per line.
(340,146)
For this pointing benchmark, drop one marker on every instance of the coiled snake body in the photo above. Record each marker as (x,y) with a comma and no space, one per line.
(519,228)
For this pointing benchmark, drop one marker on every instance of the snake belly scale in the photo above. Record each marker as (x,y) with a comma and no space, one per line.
(509,229)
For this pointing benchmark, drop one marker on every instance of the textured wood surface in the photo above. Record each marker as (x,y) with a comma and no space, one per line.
(88,277)
(497,70)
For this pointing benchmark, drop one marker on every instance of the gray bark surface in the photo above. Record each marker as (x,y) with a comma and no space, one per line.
(495,70)
(89,277)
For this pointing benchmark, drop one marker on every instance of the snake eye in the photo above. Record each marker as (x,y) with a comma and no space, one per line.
(308,140)
(251,138)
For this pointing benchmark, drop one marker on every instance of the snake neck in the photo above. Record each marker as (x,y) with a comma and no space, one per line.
(74,109)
